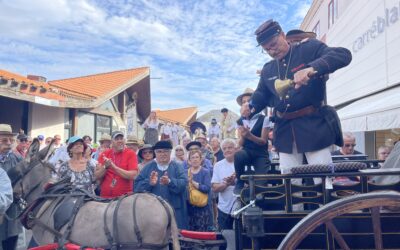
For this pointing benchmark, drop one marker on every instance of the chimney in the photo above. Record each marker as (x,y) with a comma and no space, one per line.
(36,78)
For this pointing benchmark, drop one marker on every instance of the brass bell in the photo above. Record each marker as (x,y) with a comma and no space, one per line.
(282,86)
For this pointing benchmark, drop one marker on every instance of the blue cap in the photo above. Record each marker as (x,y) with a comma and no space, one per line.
(41,137)
(74,139)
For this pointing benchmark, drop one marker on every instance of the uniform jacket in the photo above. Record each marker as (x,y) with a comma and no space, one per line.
(310,132)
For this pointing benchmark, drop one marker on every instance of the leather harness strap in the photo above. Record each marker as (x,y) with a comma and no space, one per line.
(106,230)
(66,234)
(135,224)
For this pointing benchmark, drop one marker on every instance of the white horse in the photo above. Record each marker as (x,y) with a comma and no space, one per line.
(138,221)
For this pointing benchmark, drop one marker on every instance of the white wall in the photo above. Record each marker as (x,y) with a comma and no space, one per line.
(46,120)
(376,55)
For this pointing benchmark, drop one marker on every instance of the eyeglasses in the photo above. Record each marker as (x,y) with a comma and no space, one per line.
(349,145)
(271,45)
(194,148)
(58,139)
(147,152)
(178,149)
(162,151)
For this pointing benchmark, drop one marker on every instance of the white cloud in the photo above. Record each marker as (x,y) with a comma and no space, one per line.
(204,51)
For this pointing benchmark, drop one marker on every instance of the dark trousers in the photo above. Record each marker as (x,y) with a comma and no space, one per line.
(10,243)
(248,157)
(225,221)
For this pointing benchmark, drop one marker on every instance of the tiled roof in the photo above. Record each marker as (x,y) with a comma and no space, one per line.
(85,91)
(182,115)
(23,85)
(100,85)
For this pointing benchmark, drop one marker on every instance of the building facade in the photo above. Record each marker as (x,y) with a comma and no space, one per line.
(88,105)
(366,93)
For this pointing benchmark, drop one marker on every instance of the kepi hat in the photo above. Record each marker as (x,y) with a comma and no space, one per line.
(266,31)
(5,129)
(247,92)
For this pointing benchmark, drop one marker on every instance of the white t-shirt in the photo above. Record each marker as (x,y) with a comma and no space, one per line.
(250,123)
(226,198)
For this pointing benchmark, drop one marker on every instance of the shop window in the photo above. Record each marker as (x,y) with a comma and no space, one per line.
(103,126)
(86,124)
(316,29)
(332,12)
(67,123)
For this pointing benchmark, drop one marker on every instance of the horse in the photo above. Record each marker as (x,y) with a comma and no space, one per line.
(136,221)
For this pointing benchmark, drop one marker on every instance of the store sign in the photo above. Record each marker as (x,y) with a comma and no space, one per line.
(391,16)
(131,120)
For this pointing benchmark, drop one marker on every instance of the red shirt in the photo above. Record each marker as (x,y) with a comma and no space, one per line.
(114,185)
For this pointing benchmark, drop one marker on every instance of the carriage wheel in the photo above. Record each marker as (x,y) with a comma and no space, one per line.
(326,214)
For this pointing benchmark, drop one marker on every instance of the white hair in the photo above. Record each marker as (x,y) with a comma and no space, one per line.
(228,141)
(348,135)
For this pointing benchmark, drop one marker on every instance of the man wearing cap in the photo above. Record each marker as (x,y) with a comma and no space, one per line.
(105,142)
(9,228)
(214,130)
(299,111)
(167,179)
(22,145)
(117,168)
(227,124)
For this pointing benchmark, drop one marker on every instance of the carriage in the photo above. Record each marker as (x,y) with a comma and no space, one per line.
(360,213)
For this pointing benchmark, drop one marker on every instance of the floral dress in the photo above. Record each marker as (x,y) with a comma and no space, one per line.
(83,179)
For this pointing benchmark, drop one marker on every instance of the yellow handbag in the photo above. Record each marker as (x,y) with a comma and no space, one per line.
(196,198)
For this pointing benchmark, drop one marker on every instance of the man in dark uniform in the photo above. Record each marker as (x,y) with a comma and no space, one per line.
(300,124)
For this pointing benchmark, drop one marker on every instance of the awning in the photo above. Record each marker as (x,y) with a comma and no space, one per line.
(377,112)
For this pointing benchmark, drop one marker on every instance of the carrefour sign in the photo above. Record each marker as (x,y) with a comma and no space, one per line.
(378,26)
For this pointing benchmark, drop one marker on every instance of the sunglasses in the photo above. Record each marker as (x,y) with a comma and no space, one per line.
(178,149)
(349,145)
(147,152)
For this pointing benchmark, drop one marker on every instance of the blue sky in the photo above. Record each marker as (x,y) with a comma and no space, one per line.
(200,53)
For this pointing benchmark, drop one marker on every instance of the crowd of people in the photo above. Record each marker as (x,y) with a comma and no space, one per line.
(199,173)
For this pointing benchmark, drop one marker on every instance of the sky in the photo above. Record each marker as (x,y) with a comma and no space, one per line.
(200,53)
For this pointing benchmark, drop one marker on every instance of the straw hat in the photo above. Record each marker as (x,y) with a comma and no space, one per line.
(131,139)
(5,129)
(105,137)
(247,92)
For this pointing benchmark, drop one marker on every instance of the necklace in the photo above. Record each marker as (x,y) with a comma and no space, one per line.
(288,64)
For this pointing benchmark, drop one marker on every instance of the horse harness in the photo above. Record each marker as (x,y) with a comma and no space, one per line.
(114,241)
(62,192)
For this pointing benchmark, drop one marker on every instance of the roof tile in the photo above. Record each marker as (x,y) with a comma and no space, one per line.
(99,85)
(181,115)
